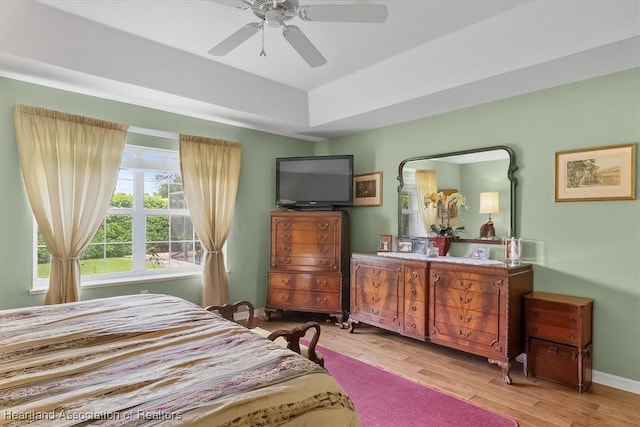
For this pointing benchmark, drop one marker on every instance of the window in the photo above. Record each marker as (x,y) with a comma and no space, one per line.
(147,230)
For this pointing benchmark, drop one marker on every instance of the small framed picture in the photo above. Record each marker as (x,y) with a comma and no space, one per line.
(480,252)
(405,245)
(385,243)
(367,189)
(419,246)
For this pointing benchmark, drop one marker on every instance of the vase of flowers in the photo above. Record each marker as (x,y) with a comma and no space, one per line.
(448,205)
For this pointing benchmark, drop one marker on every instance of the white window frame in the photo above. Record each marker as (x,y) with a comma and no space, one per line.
(168,161)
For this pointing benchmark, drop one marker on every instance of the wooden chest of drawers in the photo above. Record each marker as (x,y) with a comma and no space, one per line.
(558,338)
(309,262)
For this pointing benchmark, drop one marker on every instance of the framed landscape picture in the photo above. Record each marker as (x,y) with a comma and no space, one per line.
(602,173)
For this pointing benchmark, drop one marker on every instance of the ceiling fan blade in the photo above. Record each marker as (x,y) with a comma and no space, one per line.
(373,13)
(303,46)
(235,39)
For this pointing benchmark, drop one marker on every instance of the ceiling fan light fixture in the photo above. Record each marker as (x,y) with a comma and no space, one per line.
(274,17)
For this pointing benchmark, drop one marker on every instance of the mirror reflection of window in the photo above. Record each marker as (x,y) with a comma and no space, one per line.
(471,173)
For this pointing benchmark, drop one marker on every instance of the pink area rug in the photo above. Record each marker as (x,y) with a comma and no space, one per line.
(383,399)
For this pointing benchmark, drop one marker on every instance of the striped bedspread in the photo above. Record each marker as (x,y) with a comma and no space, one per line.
(155,360)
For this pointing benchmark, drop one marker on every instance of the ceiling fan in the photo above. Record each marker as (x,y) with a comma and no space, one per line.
(275,13)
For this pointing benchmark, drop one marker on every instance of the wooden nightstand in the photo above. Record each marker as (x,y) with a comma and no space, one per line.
(558,338)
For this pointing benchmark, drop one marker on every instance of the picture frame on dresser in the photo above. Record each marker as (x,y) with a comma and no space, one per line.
(405,245)
(384,245)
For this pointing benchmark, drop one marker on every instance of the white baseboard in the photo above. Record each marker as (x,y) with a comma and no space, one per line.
(614,381)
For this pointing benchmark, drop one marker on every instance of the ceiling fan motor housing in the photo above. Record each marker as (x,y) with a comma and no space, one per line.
(274,12)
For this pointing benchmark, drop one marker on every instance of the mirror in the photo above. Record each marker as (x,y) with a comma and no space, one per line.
(445,190)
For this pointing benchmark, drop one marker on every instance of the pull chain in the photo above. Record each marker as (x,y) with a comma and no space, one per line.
(262,52)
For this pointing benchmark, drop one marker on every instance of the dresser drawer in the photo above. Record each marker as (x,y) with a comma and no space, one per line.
(560,334)
(307,250)
(415,326)
(481,342)
(464,281)
(464,300)
(306,236)
(415,286)
(305,282)
(304,301)
(318,263)
(562,364)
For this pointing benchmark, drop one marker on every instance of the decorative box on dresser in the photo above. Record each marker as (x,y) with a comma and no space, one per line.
(558,339)
(309,269)
(478,309)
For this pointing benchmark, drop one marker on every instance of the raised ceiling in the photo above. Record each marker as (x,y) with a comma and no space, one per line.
(429,57)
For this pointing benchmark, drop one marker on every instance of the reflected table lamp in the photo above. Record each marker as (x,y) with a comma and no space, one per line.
(489,204)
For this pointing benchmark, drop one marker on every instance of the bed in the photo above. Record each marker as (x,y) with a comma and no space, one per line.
(155,360)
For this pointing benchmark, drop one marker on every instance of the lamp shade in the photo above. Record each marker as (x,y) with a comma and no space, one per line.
(489,202)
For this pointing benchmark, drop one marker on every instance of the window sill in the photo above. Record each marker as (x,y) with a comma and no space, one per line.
(124,281)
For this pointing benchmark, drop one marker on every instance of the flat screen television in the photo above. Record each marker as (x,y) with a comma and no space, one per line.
(318,182)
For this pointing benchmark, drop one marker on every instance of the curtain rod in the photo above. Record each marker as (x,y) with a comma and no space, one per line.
(153,132)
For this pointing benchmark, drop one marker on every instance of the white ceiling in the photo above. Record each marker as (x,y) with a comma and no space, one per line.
(428,57)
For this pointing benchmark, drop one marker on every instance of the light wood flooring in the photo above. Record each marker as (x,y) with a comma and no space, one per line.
(530,401)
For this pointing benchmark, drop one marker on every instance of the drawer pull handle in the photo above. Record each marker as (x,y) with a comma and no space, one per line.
(321,283)
(572,319)
(414,326)
(286,236)
(286,281)
(286,248)
(465,285)
(466,300)
(375,312)
(572,337)
(321,300)
(324,237)
(323,226)
(466,320)
(464,334)
(553,350)
(414,292)
(284,260)
(414,308)
(414,274)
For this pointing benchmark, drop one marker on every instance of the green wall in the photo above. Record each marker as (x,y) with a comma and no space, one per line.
(590,249)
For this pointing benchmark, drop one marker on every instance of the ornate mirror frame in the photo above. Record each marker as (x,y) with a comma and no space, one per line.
(511,169)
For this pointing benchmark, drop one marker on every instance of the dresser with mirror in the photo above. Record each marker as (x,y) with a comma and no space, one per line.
(472,305)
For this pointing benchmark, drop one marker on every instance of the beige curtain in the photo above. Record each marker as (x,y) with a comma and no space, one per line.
(210,173)
(70,167)
(427,185)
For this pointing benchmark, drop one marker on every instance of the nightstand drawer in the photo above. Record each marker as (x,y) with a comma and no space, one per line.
(559,318)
